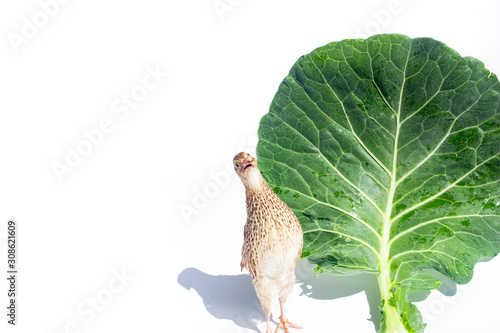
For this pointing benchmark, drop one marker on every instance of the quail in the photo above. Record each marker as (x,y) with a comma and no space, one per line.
(272,240)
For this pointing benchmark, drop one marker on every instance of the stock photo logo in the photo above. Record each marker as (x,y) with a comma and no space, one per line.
(121,107)
(223,7)
(33,24)
(380,19)
(219,180)
(88,310)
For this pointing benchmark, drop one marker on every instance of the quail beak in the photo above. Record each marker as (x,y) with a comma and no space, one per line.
(248,164)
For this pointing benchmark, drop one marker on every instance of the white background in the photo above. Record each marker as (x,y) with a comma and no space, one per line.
(119,210)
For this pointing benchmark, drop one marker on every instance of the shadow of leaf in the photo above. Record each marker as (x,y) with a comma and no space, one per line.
(326,286)
(229,297)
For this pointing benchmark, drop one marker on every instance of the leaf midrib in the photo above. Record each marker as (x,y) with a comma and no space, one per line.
(357,188)
(387,222)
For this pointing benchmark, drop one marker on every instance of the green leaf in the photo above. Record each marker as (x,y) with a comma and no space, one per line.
(387,149)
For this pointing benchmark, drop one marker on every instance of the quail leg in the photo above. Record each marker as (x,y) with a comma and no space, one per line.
(269,326)
(286,289)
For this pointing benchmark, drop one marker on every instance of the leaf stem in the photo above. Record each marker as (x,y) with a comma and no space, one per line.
(391,320)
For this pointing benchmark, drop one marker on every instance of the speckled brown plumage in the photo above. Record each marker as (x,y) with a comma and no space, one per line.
(272,240)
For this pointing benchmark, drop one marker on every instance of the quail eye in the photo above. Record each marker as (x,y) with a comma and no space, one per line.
(237,165)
